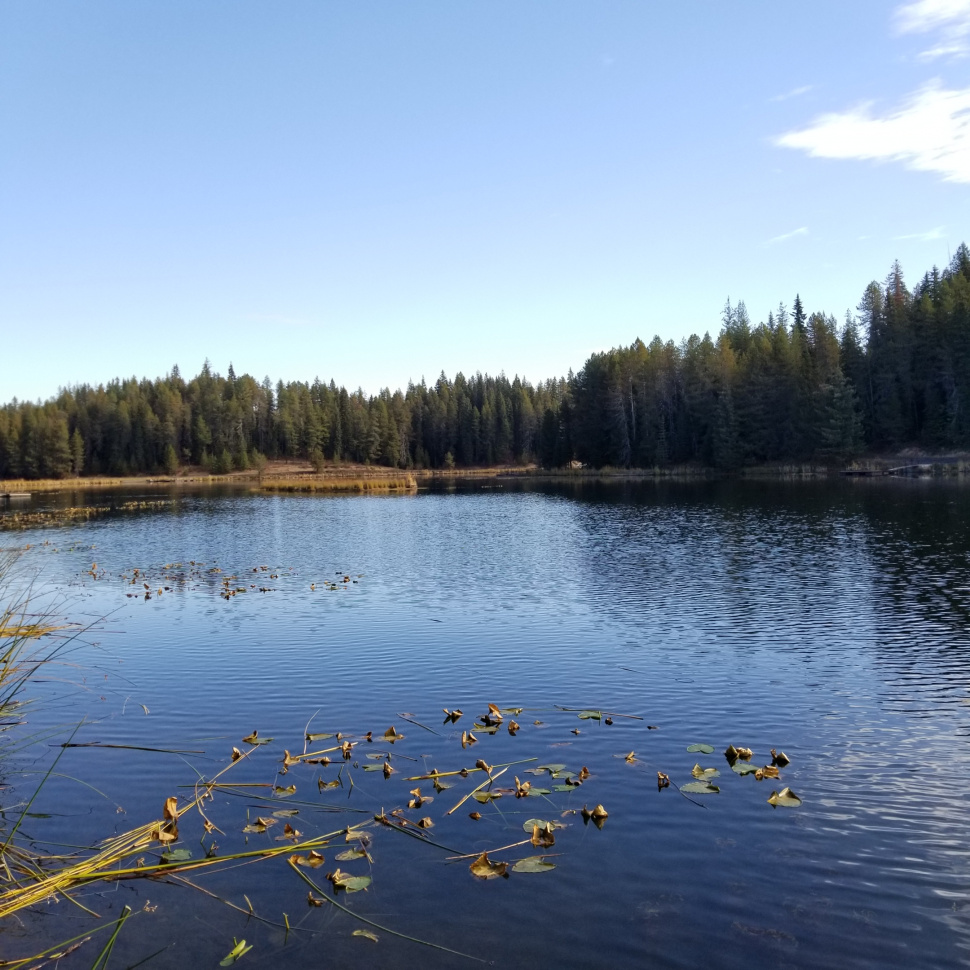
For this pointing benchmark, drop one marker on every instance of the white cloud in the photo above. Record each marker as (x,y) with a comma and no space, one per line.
(800,231)
(930,132)
(951,18)
(938,233)
(794,93)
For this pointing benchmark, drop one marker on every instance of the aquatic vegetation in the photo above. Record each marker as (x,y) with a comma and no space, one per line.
(377,483)
(49,518)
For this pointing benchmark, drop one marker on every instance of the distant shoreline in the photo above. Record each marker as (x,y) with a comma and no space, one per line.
(296,476)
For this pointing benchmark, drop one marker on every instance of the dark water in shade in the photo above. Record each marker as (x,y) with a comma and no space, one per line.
(828,621)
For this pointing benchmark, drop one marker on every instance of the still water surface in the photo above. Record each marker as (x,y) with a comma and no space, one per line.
(827,621)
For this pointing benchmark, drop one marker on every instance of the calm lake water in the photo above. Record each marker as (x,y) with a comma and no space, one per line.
(828,621)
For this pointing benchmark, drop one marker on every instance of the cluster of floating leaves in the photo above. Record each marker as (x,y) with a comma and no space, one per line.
(417,799)
(147,583)
(48,518)
(740,761)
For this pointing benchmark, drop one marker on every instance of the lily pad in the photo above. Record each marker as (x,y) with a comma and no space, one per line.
(700,788)
(533,863)
(743,768)
(484,868)
(700,749)
(590,716)
(176,855)
(704,773)
(785,798)
(532,822)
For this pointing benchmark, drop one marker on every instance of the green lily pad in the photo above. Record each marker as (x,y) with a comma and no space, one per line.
(531,823)
(539,791)
(700,788)
(533,863)
(176,855)
(700,749)
(743,768)
(589,716)
(550,768)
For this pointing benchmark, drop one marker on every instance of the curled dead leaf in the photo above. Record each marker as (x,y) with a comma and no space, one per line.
(631,757)
(484,766)
(170,809)
(663,781)
(312,900)
(779,758)
(425,823)
(475,815)
(513,727)
(484,868)
(236,754)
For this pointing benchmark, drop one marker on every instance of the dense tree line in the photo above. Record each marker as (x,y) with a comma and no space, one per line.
(796,387)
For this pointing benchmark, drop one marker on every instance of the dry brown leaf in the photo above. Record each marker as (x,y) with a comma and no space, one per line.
(663,781)
(312,900)
(425,823)
(236,754)
(484,868)
(631,757)
(170,810)
(779,758)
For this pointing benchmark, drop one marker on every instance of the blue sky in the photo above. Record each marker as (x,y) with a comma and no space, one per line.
(378,191)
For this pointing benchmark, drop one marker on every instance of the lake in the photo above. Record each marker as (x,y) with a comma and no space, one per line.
(828,621)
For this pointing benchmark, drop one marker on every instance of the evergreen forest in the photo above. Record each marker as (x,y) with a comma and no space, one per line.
(798,387)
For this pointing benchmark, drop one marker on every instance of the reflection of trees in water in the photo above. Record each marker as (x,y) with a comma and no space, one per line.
(804,566)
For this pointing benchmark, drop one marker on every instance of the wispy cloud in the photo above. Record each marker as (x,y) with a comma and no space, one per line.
(949,19)
(800,231)
(938,233)
(794,93)
(929,132)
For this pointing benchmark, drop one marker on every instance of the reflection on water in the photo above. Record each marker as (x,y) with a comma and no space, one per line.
(827,620)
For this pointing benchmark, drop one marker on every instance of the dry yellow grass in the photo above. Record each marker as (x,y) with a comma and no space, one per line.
(405,483)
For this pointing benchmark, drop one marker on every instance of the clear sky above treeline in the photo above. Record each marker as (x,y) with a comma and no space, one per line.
(375,192)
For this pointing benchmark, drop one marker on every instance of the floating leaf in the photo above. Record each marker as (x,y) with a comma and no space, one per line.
(769,771)
(484,766)
(318,737)
(348,883)
(281,792)
(698,772)
(779,758)
(366,934)
(321,784)
(312,860)
(542,835)
(391,735)
(785,798)
(312,900)
(425,823)
(631,757)
(597,814)
(286,812)
(452,715)
(484,797)
(533,863)
(484,868)
(513,727)
(700,749)
(349,855)
(590,715)
(475,816)
(236,754)
(533,822)
(176,855)
(170,809)
(663,781)
(535,792)
(550,768)
(742,768)
(467,738)
(700,788)
(290,834)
